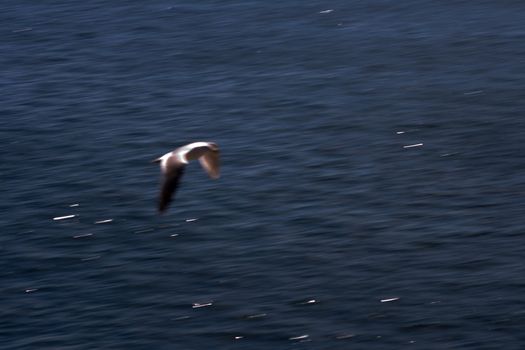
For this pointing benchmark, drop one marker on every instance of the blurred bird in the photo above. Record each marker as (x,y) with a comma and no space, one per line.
(172,166)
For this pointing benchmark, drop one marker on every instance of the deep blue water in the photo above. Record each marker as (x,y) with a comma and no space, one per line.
(324,232)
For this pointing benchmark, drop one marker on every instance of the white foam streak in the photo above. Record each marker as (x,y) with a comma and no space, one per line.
(65,217)
(414,145)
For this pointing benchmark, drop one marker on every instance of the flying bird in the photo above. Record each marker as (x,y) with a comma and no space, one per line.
(172,166)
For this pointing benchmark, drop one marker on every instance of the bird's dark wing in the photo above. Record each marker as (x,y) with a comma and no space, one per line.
(172,175)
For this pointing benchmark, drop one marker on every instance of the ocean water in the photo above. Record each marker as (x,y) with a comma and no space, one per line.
(372,175)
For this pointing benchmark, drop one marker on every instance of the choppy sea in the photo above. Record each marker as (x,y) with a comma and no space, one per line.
(372,181)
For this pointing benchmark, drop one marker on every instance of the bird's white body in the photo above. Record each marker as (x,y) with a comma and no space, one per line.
(182,153)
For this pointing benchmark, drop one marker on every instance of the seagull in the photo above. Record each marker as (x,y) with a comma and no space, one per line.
(172,166)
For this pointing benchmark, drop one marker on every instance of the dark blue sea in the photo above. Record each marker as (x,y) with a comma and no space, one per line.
(372,181)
